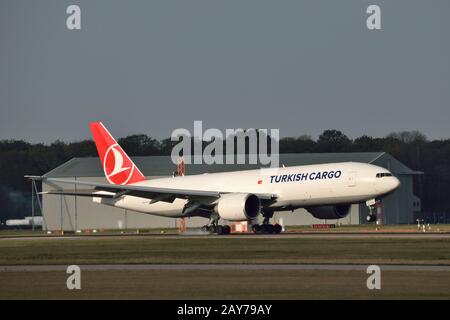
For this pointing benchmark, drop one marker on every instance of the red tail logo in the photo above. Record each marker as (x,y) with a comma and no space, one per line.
(118,167)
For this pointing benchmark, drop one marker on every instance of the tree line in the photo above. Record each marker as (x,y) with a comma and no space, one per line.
(18,158)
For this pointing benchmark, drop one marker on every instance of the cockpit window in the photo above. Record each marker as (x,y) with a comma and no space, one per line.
(384,174)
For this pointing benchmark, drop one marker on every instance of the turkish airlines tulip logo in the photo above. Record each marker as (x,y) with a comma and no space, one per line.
(118,168)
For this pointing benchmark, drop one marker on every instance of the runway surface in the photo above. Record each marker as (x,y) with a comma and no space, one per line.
(302,235)
(187,267)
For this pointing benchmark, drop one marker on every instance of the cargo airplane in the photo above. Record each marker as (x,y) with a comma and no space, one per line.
(326,191)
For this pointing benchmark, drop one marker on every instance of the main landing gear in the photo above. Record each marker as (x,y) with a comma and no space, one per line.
(218,229)
(266,227)
(214,227)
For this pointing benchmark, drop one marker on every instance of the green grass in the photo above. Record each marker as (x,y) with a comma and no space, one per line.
(225,284)
(225,250)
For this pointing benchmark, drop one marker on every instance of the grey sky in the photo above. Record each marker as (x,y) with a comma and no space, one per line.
(153,66)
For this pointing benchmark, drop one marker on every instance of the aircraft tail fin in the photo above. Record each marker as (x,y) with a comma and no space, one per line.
(118,167)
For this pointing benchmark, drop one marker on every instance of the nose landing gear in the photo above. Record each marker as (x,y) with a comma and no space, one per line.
(374,214)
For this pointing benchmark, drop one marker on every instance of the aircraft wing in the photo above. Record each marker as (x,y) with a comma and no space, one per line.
(80,193)
(153,193)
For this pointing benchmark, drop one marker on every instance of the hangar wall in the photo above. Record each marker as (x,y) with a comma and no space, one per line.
(81,213)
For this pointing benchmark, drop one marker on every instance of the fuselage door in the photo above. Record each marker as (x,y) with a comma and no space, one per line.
(351,179)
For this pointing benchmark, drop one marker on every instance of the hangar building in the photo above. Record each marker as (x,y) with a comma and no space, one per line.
(80,213)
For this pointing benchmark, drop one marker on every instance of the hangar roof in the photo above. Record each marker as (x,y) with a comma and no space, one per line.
(163,166)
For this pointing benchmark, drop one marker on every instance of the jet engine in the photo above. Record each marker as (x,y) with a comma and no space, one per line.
(330,212)
(238,206)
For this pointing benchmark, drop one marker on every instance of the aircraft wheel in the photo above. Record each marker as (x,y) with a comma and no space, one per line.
(267,228)
(256,228)
(226,229)
(277,228)
(219,230)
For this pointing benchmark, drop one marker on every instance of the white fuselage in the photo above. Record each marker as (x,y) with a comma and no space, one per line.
(294,187)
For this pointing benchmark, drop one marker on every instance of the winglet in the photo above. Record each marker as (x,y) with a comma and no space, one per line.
(118,167)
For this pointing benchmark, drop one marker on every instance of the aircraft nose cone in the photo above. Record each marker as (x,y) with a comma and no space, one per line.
(395,183)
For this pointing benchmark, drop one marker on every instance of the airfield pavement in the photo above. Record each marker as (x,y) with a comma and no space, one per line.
(291,235)
(302,265)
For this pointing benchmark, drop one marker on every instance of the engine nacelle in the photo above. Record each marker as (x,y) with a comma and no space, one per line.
(238,206)
(330,212)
